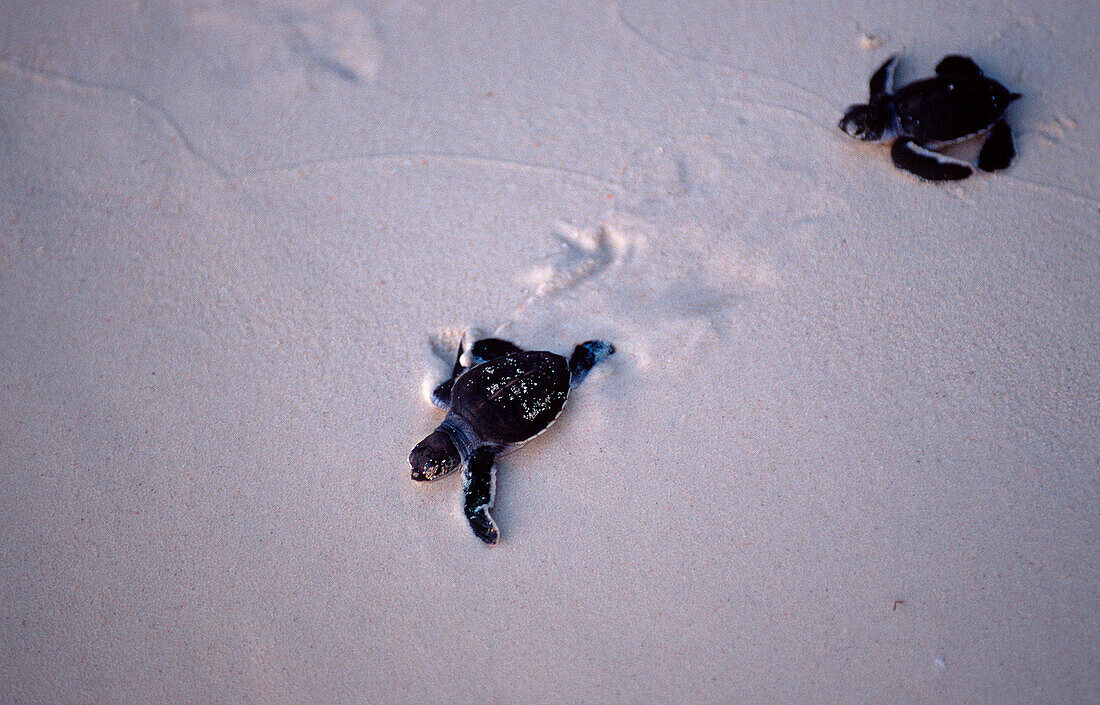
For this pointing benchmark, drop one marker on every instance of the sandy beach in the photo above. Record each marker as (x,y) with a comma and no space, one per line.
(848,450)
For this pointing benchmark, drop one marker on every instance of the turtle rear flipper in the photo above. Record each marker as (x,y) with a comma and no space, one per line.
(926,164)
(490,349)
(957,65)
(998,151)
(586,356)
(481,351)
(477,486)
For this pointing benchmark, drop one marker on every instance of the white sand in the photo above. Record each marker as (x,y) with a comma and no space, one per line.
(848,452)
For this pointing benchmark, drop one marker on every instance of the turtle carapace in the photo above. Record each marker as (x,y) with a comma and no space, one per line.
(956,104)
(498,397)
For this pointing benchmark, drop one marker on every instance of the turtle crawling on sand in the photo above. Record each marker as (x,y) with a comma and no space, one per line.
(498,398)
(956,104)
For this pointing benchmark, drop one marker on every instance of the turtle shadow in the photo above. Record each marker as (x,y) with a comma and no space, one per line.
(692,300)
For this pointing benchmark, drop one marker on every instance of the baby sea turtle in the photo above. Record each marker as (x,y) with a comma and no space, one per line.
(498,398)
(954,105)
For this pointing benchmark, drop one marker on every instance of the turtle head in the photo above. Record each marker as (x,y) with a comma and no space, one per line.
(865,122)
(434,457)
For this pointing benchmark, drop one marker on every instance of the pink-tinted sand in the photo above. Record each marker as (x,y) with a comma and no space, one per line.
(848,452)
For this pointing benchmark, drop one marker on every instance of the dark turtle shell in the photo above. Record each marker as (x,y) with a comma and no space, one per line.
(514,398)
(944,109)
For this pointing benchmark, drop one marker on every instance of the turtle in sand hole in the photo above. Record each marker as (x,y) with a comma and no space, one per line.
(956,104)
(498,398)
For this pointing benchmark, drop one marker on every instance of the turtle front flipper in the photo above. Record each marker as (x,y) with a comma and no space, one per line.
(926,164)
(586,356)
(882,80)
(479,352)
(477,485)
(441,395)
(998,151)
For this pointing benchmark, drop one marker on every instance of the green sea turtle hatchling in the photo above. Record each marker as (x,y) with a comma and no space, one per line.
(498,398)
(956,104)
